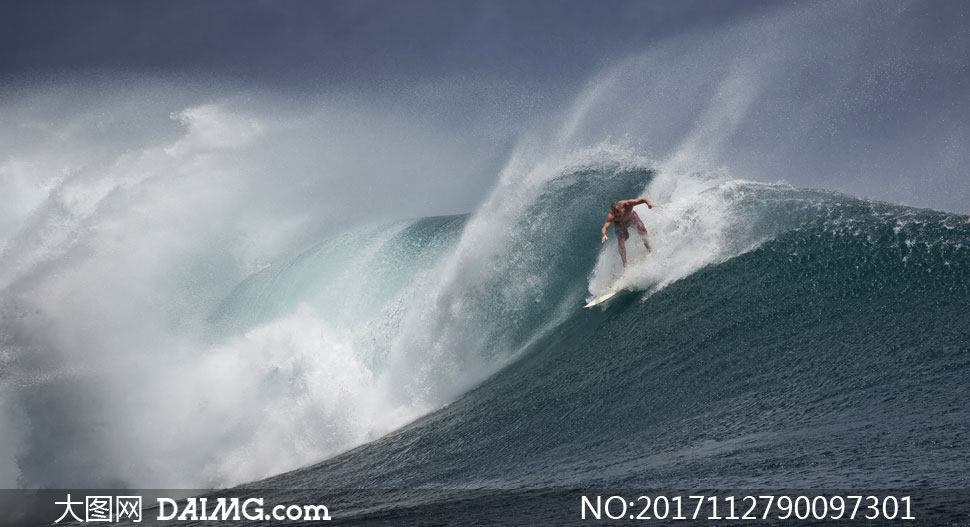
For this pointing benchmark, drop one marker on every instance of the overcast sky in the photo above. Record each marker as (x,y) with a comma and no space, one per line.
(516,62)
(332,42)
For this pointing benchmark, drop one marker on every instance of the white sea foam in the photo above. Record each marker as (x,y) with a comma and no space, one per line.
(686,231)
(113,261)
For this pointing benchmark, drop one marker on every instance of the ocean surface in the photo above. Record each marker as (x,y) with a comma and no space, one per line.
(776,337)
(443,371)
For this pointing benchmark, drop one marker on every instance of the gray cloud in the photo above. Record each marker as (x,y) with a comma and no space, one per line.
(336,43)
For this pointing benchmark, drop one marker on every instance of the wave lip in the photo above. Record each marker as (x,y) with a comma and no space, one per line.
(828,354)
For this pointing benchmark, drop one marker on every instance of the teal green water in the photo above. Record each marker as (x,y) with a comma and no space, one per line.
(834,347)
(827,346)
(834,355)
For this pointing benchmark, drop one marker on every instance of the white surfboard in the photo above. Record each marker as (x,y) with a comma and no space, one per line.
(615,288)
(597,300)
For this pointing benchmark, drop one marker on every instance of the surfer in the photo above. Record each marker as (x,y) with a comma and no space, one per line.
(622,216)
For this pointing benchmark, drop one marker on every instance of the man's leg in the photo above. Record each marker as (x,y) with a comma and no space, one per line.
(621,245)
(642,231)
(646,242)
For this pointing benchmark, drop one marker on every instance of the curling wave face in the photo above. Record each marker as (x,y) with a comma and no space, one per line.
(767,318)
(829,352)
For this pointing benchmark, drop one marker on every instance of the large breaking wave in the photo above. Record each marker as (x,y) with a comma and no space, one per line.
(228,292)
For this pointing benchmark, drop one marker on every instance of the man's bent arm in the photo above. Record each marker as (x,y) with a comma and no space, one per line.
(644,201)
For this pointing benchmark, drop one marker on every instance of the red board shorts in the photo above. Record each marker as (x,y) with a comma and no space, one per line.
(621,227)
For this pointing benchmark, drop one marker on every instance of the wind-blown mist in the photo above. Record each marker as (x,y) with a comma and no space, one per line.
(122,232)
(863,97)
(200,290)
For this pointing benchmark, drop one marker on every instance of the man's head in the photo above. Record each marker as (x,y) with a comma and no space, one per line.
(616,208)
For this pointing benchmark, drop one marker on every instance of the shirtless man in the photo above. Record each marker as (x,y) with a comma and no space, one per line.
(622,216)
